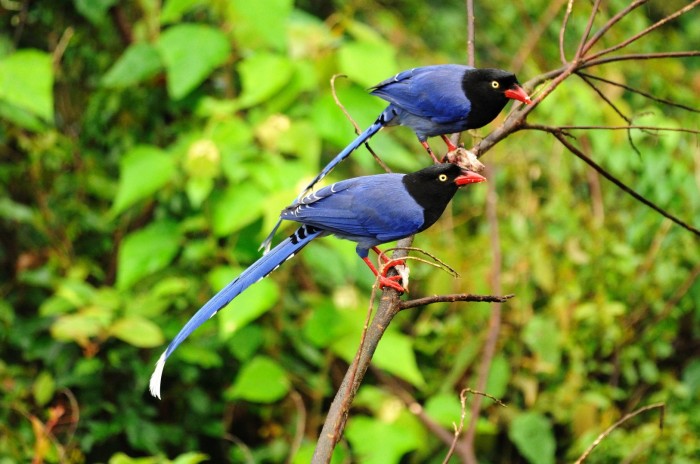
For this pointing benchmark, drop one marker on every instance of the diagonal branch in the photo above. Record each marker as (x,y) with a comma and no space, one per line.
(562,31)
(639,92)
(561,136)
(587,32)
(611,22)
(646,31)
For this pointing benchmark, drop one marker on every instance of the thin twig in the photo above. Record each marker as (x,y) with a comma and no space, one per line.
(639,56)
(358,131)
(587,31)
(643,128)
(470,33)
(438,262)
(627,417)
(559,135)
(639,92)
(301,422)
(494,327)
(463,412)
(646,31)
(562,31)
(604,98)
(611,22)
(408,304)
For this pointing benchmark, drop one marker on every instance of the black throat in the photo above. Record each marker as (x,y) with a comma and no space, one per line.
(431,195)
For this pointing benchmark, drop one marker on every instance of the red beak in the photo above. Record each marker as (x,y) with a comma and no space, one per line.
(517,93)
(469,177)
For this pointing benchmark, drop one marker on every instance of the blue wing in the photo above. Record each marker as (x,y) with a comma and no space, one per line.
(259,269)
(369,210)
(431,92)
(362,138)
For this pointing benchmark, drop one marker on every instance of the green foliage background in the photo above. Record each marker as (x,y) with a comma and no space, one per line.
(146,149)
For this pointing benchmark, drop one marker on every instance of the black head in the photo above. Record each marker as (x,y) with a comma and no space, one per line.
(488,90)
(434,187)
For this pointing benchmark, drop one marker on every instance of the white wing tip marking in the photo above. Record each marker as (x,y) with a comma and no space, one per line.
(154,384)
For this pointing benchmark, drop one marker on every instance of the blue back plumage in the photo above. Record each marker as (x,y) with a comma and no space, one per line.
(431,92)
(368,210)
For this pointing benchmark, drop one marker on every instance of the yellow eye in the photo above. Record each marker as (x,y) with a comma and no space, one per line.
(442,177)
(495,84)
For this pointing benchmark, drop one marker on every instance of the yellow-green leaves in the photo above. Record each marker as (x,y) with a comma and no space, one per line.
(261,380)
(26,87)
(146,251)
(190,53)
(144,170)
(139,62)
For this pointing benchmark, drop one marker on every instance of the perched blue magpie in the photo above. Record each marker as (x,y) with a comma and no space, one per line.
(434,100)
(369,210)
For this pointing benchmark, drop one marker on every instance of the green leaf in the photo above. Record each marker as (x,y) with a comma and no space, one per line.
(94,10)
(173,10)
(379,442)
(43,388)
(445,408)
(532,434)
(499,376)
(144,170)
(252,31)
(139,62)
(79,327)
(541,335)
(26,81)
(262,76)
(394,354)
(137,331)
(191,458)
(248,306)
(122,458)
(367,63)
(261,380)
(236,207)
(190,53)
(146,251)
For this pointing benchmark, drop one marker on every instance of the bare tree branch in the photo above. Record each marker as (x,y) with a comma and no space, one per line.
(561,136)
(470,33)
(646,31)
(627,417)
(639,92)
(408,304)
(611,22)
(587,32)
(562,31)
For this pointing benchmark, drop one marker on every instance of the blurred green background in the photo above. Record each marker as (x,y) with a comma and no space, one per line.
(147,147)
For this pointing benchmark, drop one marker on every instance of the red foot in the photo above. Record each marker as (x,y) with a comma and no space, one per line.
(390,264)
(391,282)
(385,281)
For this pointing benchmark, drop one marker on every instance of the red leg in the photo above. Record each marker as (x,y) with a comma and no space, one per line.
(385,259)
(450,146)
(385,281)
(430,152)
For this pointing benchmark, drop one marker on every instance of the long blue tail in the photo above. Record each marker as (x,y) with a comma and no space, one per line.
(381,121)
(259,269)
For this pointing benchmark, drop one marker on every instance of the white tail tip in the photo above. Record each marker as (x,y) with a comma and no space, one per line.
(154,385)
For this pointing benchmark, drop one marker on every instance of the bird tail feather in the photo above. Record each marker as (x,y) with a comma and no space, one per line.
(258,270)
(381,121)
